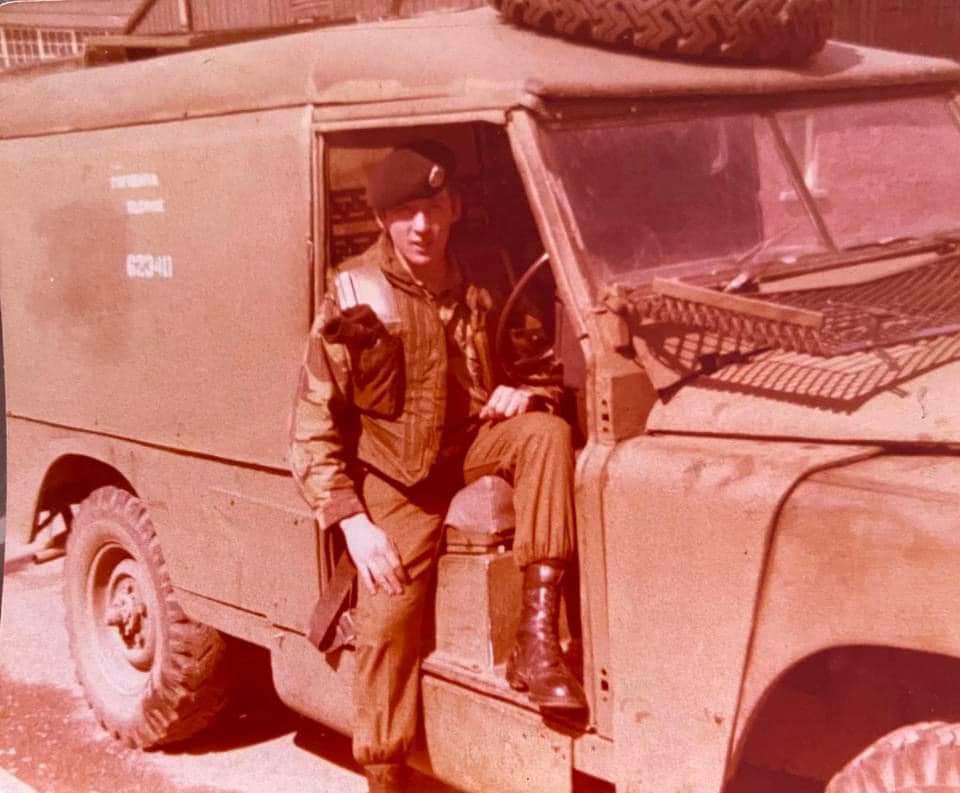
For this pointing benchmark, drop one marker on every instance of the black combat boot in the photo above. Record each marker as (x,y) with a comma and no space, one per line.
(386,778)
(536,664)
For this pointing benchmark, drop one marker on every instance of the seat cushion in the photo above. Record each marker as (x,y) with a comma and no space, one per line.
(484,507)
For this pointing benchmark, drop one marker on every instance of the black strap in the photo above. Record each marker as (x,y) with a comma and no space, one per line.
(322,629)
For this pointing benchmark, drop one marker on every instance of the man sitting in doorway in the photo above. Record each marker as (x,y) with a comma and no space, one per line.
(399,404)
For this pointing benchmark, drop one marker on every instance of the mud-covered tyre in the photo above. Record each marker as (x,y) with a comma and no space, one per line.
(921,758)
(151,675)
(750,31)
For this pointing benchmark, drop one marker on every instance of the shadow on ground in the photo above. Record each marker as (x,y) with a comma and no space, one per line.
(335,748)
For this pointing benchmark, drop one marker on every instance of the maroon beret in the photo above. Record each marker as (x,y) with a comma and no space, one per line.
(415,170)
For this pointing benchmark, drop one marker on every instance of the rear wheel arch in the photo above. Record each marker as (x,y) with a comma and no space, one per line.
(67,482)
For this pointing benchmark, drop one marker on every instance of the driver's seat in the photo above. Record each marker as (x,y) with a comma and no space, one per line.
(481,517)
(478,583)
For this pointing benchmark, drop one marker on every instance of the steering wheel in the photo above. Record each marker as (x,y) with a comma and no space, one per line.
(530,368)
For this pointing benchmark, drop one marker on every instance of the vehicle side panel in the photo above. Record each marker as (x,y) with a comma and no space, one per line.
(234,534)
(687,526)
(156,283)
(866,554)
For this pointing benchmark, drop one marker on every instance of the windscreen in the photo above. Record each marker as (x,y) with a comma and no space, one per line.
(879,170)
(703,192)
(692,196)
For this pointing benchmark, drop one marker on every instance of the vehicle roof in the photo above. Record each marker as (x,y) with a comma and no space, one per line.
(470,57)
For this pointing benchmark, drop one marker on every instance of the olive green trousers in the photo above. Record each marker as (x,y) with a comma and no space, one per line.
(533,452)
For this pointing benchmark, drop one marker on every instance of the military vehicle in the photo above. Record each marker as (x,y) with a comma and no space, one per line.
(755,278)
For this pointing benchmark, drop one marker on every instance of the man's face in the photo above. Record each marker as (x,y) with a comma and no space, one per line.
(419,229)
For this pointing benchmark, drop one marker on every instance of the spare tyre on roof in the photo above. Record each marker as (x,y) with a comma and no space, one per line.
(751,31)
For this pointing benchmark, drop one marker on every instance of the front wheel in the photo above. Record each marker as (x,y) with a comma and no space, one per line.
(921,758)
(151,675)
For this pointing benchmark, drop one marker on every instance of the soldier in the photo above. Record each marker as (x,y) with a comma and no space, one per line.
(398,406)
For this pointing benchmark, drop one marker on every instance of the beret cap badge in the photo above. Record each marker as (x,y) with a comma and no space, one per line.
(410,172)
(437,177)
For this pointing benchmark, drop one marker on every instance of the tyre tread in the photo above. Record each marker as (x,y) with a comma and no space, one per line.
(752,31)
(918,756)
(193,679)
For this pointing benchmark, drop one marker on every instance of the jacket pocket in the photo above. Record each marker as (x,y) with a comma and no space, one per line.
(378,377)
(376,360)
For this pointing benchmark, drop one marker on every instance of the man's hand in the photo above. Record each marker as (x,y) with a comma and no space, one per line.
(505,403)
(374,554)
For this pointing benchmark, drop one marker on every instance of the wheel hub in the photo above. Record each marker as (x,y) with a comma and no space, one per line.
(127,612)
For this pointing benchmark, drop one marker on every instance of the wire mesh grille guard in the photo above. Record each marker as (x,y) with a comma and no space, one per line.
(910,305)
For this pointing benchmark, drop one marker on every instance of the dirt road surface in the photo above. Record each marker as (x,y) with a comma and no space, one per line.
(50,741)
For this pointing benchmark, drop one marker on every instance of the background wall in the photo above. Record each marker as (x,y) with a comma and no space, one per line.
(928,26)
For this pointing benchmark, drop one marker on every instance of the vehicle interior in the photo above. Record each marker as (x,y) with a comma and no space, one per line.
(496,219)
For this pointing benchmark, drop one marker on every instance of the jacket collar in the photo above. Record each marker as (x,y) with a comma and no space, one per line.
(399,274)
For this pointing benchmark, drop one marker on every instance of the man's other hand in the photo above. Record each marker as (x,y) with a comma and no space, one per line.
(375,555)
(505,403)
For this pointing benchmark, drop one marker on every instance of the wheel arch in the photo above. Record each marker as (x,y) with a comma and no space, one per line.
(854,574)
(827,707)
(68,480)
(48,477)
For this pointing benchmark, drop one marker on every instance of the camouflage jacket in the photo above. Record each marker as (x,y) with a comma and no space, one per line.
(383,404)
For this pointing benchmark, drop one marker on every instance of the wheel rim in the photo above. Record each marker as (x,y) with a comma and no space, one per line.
(122,608)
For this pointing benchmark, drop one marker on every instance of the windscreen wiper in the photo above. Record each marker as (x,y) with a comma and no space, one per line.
(748,279)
